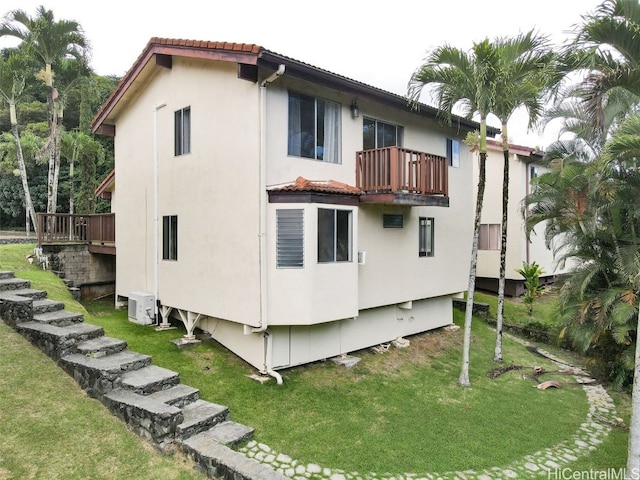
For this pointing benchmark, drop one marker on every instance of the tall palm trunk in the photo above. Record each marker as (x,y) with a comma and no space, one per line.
(53,132)
(463,379)
(56,163)
(633,458)
(23,169)
(497,355)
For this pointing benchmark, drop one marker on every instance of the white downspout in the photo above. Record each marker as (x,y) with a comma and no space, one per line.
(155,210)
(264,320)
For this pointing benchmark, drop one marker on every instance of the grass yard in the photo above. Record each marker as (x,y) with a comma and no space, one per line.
(401,411)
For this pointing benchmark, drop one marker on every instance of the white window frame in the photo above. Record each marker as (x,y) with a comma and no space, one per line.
(489,236)
(182,131)
(329,250)
(426,237)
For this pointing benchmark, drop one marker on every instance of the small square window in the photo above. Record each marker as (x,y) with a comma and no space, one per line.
(489,236)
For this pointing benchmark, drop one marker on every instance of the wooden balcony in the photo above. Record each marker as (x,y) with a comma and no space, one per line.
(399,176)
(98,231)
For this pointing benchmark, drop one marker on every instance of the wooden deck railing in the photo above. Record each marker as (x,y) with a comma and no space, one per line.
(98,229)
(400,170)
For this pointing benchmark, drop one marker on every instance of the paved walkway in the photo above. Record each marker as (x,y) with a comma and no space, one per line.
(547,463)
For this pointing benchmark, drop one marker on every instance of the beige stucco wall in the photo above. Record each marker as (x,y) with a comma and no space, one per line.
(489,260)
(315,312)
(393,272)
(213,191)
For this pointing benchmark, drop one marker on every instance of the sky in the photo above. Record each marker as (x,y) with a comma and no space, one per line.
(379,44)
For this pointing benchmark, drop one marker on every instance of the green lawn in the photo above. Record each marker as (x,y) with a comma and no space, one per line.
(401,411)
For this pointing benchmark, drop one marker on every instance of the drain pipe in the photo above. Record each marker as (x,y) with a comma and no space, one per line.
(262,189)
(268,358)
(155,210)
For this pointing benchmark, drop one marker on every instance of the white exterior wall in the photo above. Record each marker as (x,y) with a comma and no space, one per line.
(213,191)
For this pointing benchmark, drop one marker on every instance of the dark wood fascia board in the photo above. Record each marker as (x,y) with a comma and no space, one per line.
(312,197)
(408,199)
(102,249)
(248,72)
(206,53)
(165,61)
(106,129)
(319,76)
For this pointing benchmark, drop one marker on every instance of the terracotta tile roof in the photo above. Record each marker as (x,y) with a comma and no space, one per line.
(513,148)
(330,186)
(252,54)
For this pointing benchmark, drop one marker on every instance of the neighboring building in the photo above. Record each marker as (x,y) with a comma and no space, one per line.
(525,163)
(292,213)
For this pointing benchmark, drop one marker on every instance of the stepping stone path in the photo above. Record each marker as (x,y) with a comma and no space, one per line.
(148,398)
(158,407)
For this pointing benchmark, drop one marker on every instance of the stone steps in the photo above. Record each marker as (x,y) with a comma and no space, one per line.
(44,305)
(148,398)
(200,416)
(99,375)
(60,318)
(13,284)
(101,346)
(178,395)
(150,379)
(31,293)
(4,274)
(228,433)
(149,418)
(56,341)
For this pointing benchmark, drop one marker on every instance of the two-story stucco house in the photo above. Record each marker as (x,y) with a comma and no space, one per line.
(292,213)
(525,163)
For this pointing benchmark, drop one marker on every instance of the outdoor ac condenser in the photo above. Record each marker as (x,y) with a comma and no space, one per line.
(140,308)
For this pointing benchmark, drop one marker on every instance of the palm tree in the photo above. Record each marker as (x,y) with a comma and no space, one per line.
(50,41)
(606,51)
(12,82)
(466,81)
(526,73)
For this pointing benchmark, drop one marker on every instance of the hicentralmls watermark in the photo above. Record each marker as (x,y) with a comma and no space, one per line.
(606,474)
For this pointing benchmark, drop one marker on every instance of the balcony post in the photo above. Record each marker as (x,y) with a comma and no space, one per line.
(394,166)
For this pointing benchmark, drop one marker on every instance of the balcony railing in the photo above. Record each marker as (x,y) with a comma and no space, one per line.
(397,170)
(99,231)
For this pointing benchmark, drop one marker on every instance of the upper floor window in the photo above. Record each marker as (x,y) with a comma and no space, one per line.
(334,235)
(453,152)
(377,134)
(182,137)
(533,172)
(314,128)
(489,236)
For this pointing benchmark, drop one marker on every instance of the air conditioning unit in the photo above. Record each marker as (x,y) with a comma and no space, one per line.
(141,308)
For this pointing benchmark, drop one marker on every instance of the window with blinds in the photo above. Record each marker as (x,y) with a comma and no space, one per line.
(290,238)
